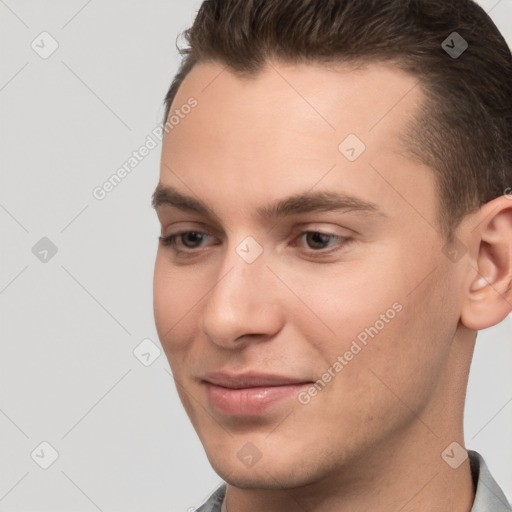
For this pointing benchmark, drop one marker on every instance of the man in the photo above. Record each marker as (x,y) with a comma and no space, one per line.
(336,226)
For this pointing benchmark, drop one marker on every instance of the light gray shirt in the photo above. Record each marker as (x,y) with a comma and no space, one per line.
(488,496)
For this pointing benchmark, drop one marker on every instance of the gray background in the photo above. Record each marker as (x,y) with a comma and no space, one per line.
(70,325)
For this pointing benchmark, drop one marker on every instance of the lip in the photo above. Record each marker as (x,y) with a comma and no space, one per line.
(250,380)
(249,393)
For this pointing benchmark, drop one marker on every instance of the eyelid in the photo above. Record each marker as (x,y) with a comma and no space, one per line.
(183,225)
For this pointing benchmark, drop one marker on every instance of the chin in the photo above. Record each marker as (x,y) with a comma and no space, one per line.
(284,471)
(264,478)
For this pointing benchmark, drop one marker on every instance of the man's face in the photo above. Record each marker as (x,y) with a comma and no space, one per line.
(355,299)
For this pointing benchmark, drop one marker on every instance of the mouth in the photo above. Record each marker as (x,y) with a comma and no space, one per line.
(250,393)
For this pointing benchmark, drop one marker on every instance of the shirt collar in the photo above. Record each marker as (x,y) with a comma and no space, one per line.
(488,496)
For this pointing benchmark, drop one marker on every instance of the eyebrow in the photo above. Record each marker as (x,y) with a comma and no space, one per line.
(307,202)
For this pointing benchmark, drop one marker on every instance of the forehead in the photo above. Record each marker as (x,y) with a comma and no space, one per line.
(316,105)
(284,129)
(334,96)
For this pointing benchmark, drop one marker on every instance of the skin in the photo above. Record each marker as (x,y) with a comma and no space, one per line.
(372,439)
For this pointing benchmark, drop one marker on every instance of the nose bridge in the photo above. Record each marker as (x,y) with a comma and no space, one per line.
(243,267)
(240,303)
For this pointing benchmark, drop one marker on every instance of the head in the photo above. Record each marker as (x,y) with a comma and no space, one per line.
(345,186)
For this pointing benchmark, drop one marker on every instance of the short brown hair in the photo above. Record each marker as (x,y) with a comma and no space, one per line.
(464,128)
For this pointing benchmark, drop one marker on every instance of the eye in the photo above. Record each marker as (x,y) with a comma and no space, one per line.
(318,241)
(315,242)
(192,239)
(187,239)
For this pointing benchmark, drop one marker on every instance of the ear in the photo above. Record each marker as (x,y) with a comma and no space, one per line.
(488,295)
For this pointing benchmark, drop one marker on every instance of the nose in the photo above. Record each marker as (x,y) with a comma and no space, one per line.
(243,304)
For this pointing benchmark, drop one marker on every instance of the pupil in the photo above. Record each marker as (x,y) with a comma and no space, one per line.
(193,237)
(317,239)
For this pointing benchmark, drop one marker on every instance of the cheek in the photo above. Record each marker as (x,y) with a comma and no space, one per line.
(380,322)
(403,361)
(344,302)
(174,302)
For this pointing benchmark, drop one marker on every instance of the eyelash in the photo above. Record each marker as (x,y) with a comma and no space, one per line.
(170,241)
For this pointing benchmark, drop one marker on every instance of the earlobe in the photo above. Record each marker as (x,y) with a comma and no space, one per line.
(489,295)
